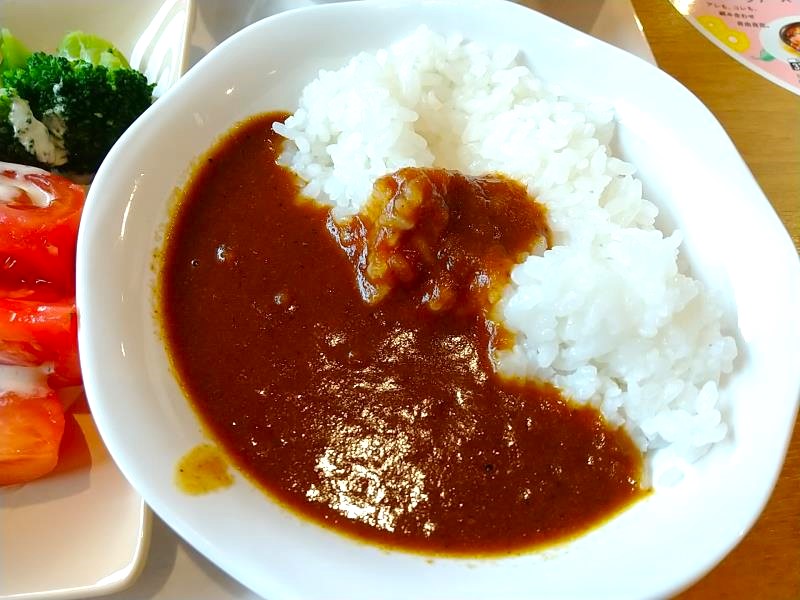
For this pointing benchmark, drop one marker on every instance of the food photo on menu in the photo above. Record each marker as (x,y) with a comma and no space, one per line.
(458,300)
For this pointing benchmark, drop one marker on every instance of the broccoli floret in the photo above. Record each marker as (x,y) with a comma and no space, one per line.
(13,54)
(11,149)
(88,106)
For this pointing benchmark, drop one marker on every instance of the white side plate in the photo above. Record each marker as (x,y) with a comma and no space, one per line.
(83,530)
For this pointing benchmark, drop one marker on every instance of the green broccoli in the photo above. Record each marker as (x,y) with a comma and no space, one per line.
(11,149)
(13,54)
(85,107)
(24,138)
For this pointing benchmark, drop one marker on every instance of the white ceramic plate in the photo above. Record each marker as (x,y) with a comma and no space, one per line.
(79,532)
(83,530)
(689,167)
(173,570)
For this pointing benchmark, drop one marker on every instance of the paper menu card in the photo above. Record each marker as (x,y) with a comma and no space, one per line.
(763,35)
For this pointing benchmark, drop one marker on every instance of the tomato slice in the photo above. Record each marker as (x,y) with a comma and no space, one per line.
(31,428)
(42,291)
(34,332)
(39,217)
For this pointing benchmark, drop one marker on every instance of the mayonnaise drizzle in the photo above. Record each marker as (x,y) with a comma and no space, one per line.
(35,136)
(12,187)
(28,381)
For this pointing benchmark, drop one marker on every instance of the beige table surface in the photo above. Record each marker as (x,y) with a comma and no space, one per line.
(764,122)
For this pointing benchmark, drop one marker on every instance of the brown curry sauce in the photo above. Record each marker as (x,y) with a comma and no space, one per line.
(202,470)
(363,401)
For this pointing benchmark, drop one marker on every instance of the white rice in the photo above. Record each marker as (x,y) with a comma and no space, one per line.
(605,314)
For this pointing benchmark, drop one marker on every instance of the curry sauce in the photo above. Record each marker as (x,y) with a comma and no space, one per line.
(339,380)
(202,470)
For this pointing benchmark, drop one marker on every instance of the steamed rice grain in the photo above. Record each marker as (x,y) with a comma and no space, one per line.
(605,314)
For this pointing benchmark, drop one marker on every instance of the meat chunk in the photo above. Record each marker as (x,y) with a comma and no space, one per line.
(449,239)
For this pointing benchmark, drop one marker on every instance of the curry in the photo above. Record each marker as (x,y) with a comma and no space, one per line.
(346,366)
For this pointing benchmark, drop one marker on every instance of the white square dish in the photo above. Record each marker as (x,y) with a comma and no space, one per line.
(83,530)
(80,531)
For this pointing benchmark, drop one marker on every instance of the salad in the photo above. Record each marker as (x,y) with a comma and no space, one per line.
(59,116)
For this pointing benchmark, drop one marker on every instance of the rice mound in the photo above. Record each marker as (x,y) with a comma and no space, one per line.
(604,314)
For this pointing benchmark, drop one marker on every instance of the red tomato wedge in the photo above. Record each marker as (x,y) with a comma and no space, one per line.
(33,332)
(31,428)
(39,217)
